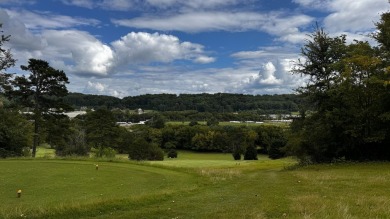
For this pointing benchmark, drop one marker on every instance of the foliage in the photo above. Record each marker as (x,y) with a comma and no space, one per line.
(42,90)
(101,129)
(106,152)
(172,153)
(236,155)
(348,98)
(15,133)
(223,103)
(6,61)
(250,153)
(212,122)
(157,121)
(140,149)
(193,123)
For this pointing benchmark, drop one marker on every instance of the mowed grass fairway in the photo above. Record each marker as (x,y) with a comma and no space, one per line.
(197,185)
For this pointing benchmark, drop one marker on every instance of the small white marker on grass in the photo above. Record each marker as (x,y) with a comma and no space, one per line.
(19,192)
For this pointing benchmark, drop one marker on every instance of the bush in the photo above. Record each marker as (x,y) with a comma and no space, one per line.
(276,149)
(170,145)
(26,152)
(172,153)
(140,149)
(155,153)
(193,123)
(236,155)
(5,153)
(105,152)
(15,133)
(250,153)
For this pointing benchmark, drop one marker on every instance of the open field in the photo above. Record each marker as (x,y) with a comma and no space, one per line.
(197,185)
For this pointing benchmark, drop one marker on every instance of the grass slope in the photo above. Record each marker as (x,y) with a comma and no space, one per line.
(196,185)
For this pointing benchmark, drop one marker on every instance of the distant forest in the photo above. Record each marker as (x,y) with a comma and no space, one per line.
(219,102)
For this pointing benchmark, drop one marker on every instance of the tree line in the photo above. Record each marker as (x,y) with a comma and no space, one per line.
(219,102)
(98,131)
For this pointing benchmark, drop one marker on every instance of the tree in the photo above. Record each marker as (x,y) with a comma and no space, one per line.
(6,61)
(15,133)
(157,121)
(101,129)
(42,90)
(140,149)
(75,140)
(347,94)
(250,153)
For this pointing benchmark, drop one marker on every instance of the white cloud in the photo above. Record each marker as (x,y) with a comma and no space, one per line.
(348,15)
(175,5)
(17,2)
(352,15)
(82,53)
(314,4)
(80,3)
(79,52)
(119,5)
(101,89)
(144,47)
(195,4)
(204,59)
(278,24)
(21,37)
(267,75)
(95,86)
(46,20)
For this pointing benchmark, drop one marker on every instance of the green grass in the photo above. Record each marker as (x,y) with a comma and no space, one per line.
(196,185)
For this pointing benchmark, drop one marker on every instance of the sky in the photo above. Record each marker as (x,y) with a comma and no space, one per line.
(133,47)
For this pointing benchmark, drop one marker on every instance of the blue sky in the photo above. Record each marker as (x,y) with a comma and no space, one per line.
(132,47)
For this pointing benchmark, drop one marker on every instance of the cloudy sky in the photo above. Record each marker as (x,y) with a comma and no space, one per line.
(132,47)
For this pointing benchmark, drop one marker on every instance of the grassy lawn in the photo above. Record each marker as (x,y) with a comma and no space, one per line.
(196,185)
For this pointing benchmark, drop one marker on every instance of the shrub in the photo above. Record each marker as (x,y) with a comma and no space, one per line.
(26,152)
(140,149)
(276,149)
(250,153)
(155,153)
(170,145)
(172,153)
(193,123)
(236,155)
(105,152)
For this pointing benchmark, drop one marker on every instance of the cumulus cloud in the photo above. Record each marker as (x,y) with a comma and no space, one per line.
(101,89)
(270,69)
(21,37)
(81,53)
(142,47)
(85,54)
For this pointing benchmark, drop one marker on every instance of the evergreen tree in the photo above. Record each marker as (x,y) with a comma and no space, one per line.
(42,90)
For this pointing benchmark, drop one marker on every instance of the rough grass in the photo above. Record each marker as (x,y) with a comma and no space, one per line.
(197,185)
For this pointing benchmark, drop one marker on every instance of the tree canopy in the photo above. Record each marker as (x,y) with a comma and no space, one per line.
(42,90)
(348,96)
